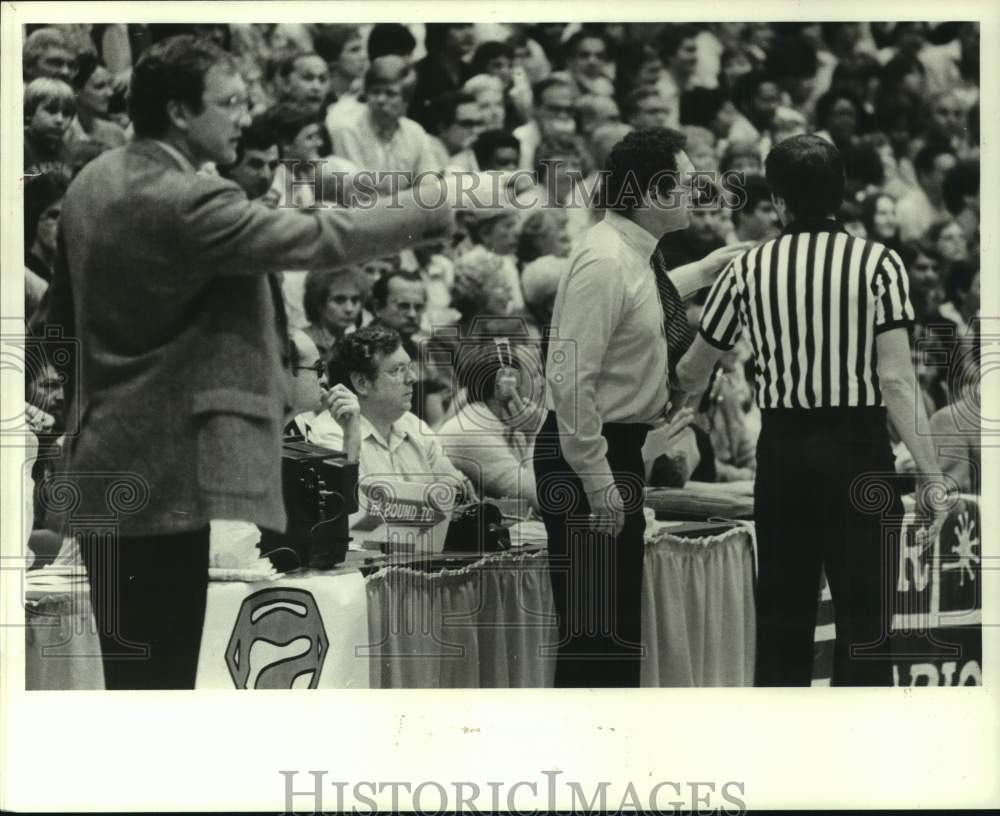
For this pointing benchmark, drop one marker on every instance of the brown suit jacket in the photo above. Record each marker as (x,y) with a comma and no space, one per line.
(161,277)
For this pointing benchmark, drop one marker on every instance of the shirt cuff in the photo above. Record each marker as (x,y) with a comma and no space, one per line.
(894,324)
(713,342)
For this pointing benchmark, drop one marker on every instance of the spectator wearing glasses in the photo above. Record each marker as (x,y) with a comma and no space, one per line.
(333,301)
(457,120)
(554,112)
(398,302)
(372,381)
(304,378)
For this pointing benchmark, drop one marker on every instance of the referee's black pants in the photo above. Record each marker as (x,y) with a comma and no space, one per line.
(807,518)
(148,595)
(596,579)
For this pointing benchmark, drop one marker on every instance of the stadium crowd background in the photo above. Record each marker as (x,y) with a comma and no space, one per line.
(900,101)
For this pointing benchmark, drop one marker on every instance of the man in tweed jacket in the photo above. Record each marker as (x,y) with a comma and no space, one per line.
(164,277)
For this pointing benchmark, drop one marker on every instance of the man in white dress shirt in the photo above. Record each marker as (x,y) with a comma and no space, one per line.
(369,418)
(606,378)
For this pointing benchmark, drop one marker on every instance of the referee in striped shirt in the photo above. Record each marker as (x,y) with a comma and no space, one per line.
(827,316)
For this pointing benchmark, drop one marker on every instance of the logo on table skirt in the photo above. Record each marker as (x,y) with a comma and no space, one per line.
(960,556)
(278,642)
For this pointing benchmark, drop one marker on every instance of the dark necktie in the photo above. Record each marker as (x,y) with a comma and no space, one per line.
(675,322)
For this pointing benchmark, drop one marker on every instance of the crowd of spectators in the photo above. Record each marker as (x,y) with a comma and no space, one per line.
(900,101)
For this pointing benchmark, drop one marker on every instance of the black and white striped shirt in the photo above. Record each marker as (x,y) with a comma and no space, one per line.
(811,302)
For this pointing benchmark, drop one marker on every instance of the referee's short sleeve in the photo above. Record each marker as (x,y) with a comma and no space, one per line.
(720,324)
(892,294)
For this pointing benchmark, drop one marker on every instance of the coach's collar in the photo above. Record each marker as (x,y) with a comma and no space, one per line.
(813,225)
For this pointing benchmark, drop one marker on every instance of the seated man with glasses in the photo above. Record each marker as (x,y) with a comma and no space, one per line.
(372,378)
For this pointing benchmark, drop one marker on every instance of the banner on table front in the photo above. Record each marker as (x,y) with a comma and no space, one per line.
(284,634)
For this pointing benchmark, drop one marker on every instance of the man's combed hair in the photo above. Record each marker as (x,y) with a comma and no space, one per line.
(488,142)
(288,119)
(360,353)
(380,289)
(259,135)
(808,173)
(173,69)
(644,159)
(389,70)
(38,42)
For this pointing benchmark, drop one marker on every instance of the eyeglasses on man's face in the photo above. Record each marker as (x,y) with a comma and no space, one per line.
(316,368)
(237,104)
(401,371)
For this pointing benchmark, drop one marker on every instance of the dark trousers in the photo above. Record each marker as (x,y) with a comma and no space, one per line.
(808,517)
(148,596)
(596,580)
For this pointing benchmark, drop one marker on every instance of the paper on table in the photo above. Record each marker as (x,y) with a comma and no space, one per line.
(743,487)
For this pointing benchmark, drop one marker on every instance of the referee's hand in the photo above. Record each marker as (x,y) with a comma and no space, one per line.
(718,259)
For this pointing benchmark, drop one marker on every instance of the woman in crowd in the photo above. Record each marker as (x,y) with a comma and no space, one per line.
(489,94)
(480,291)
(544,232)
(878,214)
(333,301)
(491,437)
(94,90)
(949,239)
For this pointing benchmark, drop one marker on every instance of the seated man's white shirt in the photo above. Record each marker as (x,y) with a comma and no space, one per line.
(407,149)
(412,452)
(344,112)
